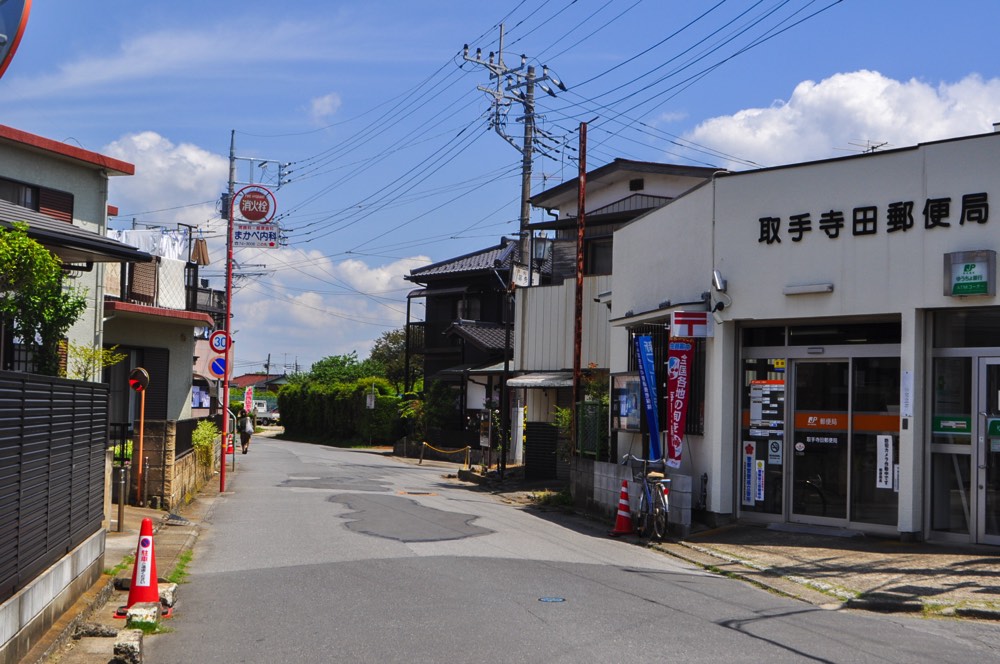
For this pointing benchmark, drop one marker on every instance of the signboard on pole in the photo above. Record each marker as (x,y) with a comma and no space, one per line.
(219,341)
(255,203)
(259,236)
(218,367)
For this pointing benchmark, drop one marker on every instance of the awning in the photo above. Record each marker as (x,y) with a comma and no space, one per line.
(541,380)
(72,244)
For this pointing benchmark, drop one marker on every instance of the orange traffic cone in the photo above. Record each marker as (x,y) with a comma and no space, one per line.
(144,586)
(623,523)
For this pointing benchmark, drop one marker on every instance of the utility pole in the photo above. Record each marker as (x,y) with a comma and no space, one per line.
(229,308)
(516,85)
(227,209)
(581,204)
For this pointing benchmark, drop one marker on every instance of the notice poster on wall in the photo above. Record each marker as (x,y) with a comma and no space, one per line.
(759,480)
(884,463)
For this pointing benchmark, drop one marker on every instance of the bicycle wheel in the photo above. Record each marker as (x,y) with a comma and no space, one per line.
(659,513)
(640,520)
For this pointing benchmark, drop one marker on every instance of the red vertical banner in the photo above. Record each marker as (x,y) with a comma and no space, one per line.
(248,398)
(679,352)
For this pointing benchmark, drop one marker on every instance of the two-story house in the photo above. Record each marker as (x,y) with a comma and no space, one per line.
(54,431)
(463,336)
(544,328)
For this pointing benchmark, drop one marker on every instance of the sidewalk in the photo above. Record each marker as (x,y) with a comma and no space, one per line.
(825,567)
(830,567)
(90,618)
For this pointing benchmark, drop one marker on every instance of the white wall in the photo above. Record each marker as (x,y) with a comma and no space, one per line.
(882,273)
(670,254)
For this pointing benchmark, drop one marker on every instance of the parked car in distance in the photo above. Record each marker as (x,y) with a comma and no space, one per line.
(264,414)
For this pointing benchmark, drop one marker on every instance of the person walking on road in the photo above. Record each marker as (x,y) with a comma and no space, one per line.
(245,425)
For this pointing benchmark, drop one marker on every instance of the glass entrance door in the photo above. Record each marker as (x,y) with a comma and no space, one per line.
(820,441)
(986,456)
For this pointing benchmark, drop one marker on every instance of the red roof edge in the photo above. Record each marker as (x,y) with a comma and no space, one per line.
(112,165)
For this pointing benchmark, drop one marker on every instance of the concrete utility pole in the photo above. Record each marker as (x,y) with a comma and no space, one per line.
(508,90)
(509,85)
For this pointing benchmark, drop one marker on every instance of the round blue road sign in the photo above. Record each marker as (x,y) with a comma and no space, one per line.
(218,367)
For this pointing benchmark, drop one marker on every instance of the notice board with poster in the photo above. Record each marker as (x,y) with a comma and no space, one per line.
(764,449)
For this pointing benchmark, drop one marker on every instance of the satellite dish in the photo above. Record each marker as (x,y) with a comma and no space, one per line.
(13,19)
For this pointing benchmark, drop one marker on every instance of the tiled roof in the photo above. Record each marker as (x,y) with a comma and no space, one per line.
(246,380)
(489,337)
(69,242)
(485,259)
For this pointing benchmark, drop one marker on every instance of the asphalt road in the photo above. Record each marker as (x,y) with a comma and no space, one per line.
(324,555)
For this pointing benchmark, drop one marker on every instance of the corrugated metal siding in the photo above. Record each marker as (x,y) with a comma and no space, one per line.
(544,326)
(53,433)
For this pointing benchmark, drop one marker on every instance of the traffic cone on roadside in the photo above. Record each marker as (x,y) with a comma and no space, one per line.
(144,586)
(623,522)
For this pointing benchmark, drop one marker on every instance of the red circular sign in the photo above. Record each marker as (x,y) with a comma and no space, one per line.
(255,205)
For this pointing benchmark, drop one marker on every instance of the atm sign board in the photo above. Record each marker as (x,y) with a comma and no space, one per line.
(970,273)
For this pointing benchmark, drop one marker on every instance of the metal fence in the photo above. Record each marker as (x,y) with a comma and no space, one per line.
(53,433)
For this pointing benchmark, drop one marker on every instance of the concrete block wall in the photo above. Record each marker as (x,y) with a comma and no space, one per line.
(26,616)
(679,516)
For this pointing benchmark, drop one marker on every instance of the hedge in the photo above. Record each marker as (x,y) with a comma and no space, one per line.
(339,412)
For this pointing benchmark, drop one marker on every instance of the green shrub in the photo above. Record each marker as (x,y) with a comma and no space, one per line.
(203,441)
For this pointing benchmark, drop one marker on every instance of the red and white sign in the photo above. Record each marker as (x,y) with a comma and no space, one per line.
(219,341)
(248,398)
(255,203)
(696,324)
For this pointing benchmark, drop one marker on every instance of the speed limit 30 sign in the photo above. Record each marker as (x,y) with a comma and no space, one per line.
(219,341)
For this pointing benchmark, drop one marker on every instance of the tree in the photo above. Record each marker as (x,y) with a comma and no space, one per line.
(87,362)
(389,351)
(32,298)
(342,369)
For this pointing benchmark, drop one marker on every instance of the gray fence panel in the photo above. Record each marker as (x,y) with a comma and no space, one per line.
(53,433)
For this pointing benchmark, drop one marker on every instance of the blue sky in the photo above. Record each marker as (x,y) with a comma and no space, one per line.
(392,162)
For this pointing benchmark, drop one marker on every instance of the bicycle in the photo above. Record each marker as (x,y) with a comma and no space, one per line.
(654,503)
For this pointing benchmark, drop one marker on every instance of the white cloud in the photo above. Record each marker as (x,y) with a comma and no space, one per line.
(310,306)
(322,108)
(167,176)
(824,119)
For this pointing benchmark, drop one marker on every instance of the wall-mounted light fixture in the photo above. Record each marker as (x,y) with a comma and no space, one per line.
(805,289)
(718,282)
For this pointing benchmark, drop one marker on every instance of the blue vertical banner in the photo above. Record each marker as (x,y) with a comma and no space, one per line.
(647,377)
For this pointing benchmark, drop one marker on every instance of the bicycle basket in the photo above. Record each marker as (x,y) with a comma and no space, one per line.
(642,467)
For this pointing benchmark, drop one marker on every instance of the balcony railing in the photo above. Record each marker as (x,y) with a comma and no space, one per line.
(163,283)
